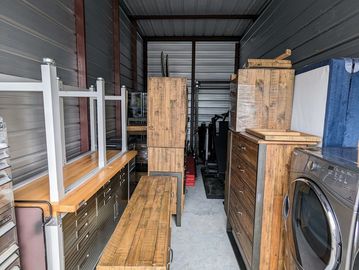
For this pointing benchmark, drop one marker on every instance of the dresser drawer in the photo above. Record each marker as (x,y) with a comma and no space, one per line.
(245,149)
(245,221)
(245,244)
(244,194)
(244,241)
(241,169)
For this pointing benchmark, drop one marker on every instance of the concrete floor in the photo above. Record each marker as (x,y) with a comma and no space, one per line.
(202,242)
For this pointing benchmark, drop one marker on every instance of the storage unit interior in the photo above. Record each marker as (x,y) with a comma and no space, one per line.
(102,97)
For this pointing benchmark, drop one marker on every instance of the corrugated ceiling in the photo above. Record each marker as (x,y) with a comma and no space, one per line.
(208,27)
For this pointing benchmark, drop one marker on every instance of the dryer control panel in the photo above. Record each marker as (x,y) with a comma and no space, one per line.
(339,180)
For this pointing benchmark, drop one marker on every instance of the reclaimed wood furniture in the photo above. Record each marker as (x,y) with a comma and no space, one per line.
(167,112)
(142,238)
(166,132)
(257,180)
(89,212)
(261,98)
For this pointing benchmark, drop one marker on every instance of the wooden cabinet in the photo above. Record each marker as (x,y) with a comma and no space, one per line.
(166,132)
(167,112)
(257,180)
(261,98)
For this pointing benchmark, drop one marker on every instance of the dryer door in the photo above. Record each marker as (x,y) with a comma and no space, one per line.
(312,229)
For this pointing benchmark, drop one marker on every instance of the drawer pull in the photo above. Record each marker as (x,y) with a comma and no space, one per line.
(239,213)
(242,147)
(171,254)
(84,261)
(82,203)
(241,169)
(241,192)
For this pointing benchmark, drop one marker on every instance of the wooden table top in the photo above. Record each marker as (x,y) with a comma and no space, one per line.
(38,190)
(137,130)
(141,239)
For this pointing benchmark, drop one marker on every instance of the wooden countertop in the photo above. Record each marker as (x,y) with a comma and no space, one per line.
(38,190)
(262,141)
(142,237)
(137,129)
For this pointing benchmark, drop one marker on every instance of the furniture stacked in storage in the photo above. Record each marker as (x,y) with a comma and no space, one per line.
(258,180)
(9,249)
(261,97)
(166,132)
(142,238)
(89,213)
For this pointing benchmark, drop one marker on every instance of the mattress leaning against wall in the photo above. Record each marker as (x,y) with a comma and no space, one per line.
(326,102)
(31,30)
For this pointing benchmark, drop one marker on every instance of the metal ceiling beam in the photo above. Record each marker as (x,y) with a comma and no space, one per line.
(193,38)
(196,17)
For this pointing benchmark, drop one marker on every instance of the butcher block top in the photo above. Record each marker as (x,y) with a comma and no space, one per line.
(141,239)
(280,136)
(38,190)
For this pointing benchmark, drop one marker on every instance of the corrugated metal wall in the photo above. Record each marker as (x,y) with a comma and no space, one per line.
(29,31)
(125,45)
(140,81)
(99,52)
(214,62)
(180,59)
(314,29)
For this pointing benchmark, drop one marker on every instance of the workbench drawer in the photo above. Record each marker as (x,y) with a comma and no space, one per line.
(73,224)
(73,254)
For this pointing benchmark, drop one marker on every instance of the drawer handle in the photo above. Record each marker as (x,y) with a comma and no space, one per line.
(241,192)
(241,169)
(239,213)
(82,203)
(171,255)
(84,261)
(242,147)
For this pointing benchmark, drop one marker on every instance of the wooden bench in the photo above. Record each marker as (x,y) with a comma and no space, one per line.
(142,238)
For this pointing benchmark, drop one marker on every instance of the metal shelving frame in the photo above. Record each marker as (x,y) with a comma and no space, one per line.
(53,92)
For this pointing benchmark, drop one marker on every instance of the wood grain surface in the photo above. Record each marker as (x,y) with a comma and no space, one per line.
(167,112)
(39,188)
(141,239)
(262,99)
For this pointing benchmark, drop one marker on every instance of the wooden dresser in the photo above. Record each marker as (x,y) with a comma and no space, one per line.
(257,179)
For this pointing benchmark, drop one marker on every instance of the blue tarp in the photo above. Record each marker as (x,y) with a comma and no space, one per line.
(341,127)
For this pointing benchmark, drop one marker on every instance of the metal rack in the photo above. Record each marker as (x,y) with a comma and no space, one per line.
(53,92)
(9,248)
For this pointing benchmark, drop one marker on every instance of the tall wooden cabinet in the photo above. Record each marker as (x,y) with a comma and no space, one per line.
(257,180)
(261,98)
(166,132)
